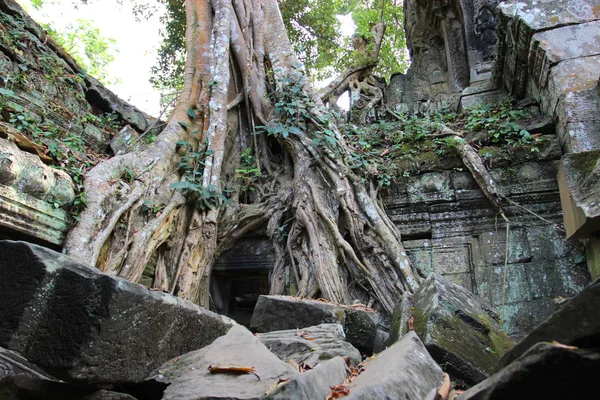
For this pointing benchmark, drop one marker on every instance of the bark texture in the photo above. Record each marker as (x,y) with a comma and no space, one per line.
(339,243)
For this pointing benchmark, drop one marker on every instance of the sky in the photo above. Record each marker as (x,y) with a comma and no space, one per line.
(137,43)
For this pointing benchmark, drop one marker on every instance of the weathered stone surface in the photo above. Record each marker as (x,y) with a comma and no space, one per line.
(403,371)
(96,138)
(273,313)
(452,46)
(100,95)
(579,184)
(12,364)
(124,141)
(545,371)
(324,342)
(459,331)
(22,387)
(21,380)
(85,326)
(313,384)
(108,395)
(592,255)
(190,378)
(550,51)
(381,341)
(399,325)
(33,197)
(459,236)
(518,22)
(575,323)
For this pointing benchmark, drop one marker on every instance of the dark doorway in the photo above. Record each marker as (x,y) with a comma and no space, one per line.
(240,276)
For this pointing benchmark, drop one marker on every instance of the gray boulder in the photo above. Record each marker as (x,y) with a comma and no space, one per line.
(313,384)
(124,141)
(576,323)
(190,378)
(403,371)
(274,313)
(310,346)
(13,364)
(21,380)
(460,332)
(399,325)
(85,326)
(546,371)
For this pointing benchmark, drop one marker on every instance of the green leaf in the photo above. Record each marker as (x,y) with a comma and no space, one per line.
(225,199)
(7,92)
(295,130)
(184,185)
(331,140)
(191,112)
(183,124)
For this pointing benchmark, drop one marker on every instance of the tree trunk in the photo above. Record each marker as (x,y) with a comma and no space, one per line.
(340,244)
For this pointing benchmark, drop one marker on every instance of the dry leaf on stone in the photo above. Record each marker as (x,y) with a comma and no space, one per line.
(274,386)
(338,391)
(231,369)
(303,335)
(444,390)
(564,346)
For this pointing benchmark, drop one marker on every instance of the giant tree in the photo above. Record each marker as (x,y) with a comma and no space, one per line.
(182,201)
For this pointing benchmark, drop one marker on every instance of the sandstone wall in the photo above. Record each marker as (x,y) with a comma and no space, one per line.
(42,89)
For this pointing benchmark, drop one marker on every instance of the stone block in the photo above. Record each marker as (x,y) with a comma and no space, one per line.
(189,377)
(313,384)
(311,346)
(458,330)
(579,183)
(490,284)
(519,22)
(124,141)
(405,370)
(576,323)
(493,247)
(33,196)
(451,260)
(275,313)
(550,47)
(84,326)
(545,371)
(400,325)
(430,187)
(592,255)
(473,100)
(130,114)
(96,138)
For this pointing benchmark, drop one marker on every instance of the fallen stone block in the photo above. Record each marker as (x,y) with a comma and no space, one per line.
(124,141)
(399,325)
(460,332)
(576,323)
(190,376)
(313,384)
(310,346)
(275,313)
(21,380)
(84,326)
(545,371)
(403,371)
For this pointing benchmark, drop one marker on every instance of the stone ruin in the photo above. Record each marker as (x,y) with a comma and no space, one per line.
(545,54)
